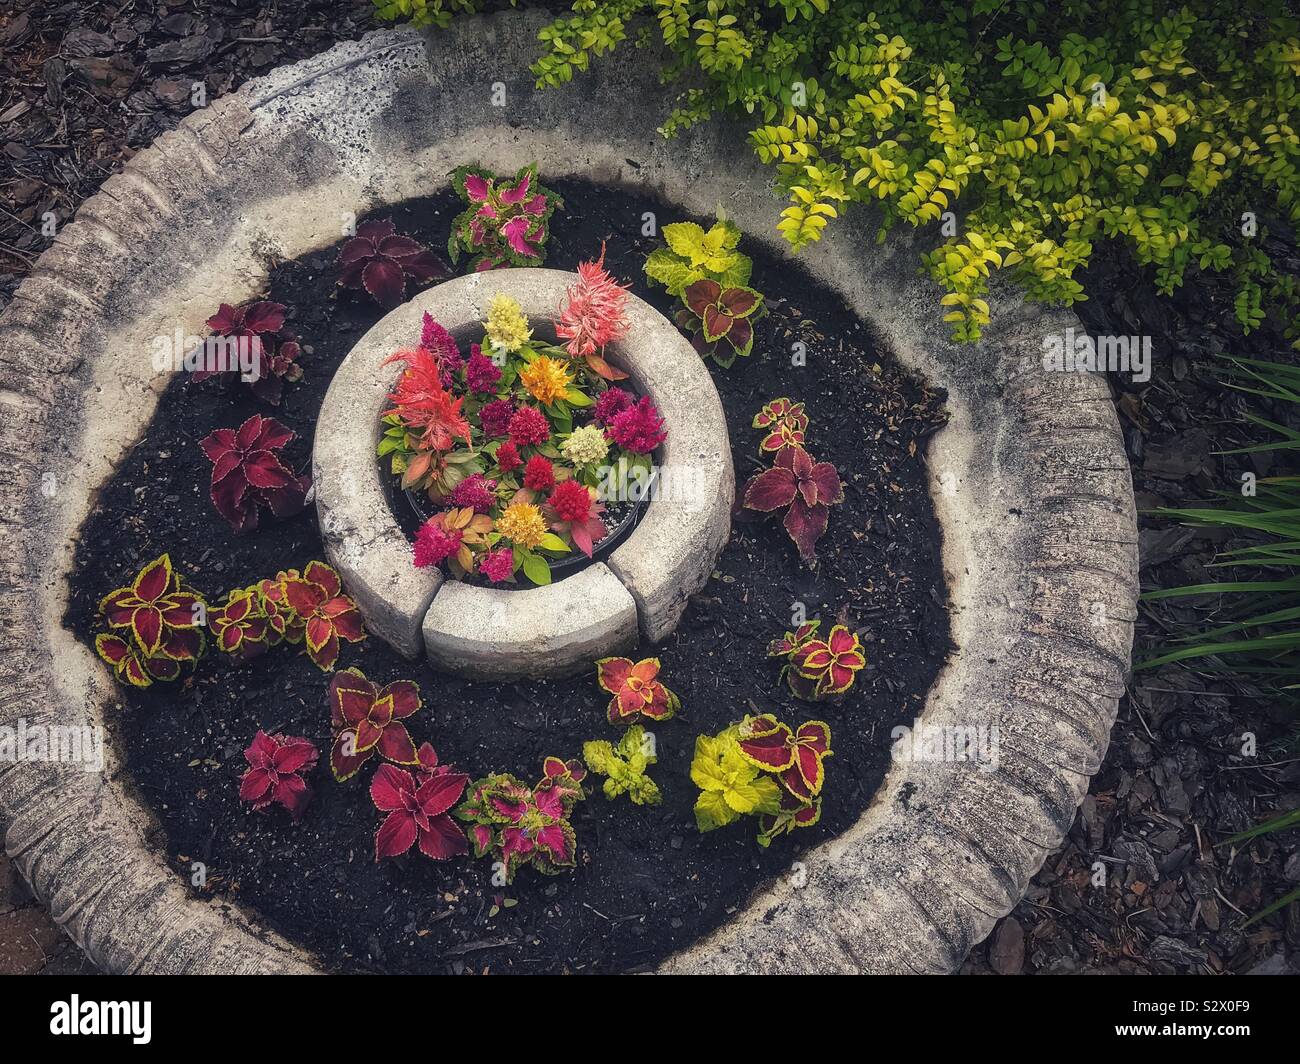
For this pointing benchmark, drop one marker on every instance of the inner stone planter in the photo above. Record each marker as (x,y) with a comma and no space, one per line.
(496,633)
(1028,480)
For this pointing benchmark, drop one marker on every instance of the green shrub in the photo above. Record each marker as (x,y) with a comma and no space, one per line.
(1043,127)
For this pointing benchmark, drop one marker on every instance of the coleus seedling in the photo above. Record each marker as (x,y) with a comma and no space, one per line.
(418,808)
(275,349)
(636,688)
(806,489)
(383,263)
(248,472)
(277,765)
(692,254)
(795,755)
(240,626)
(818,669)
(720,320)
(520,825)
(506,222)
(366,720)
(328,615)
(157,623)
(784,424)
(624,765)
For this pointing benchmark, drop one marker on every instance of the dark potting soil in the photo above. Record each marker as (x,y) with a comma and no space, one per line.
(647,882)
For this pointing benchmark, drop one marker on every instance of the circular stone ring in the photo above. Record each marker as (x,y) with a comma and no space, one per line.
(489,633)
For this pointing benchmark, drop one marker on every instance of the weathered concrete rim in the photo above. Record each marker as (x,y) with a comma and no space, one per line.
(665,560)
(1036,501)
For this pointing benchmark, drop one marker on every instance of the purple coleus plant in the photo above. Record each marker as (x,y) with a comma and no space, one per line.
(255,347)
(382,262)
(248,472)
(506,222)
(805,489)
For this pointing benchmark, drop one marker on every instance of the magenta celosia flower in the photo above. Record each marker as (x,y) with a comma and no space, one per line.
(539,474)
(476,492)
(495,417)
(639,428)
(442,345)
(481,373)
(434,544)
(528,427)
(612,401)
(508,457)
(497,565)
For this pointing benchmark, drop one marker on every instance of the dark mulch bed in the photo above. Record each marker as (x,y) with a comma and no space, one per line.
(648,882)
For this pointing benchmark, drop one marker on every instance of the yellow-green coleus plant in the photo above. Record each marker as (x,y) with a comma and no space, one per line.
(624,765)
(730,785)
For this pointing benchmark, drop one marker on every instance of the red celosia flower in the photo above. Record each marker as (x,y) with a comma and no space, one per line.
(367,720)
(247,472)
(808,488)
(260,324)
(497,565)
(494,417)
(437,340)
(475,492)
(571,501)
(508,457)
(163,619)
(418,810)
(317,597)
(796,755)
(593,314)
(381,261)
(636,689)
(639,428)
(425,406)
(573,509)
(275,773)
(612,401)
(481,374)
(539,474)
(528,427)
(434,544)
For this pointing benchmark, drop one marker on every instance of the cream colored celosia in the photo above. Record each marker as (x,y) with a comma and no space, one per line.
(506,326)
(586,446)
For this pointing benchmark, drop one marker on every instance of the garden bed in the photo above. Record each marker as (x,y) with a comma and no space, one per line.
(646,883)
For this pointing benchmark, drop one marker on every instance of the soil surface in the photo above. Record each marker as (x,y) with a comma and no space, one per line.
(647,881)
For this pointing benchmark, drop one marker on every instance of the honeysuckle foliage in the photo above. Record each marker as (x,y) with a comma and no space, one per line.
(624,765)
(1042,127)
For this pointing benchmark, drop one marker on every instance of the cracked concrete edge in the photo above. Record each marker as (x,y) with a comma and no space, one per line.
(667,557)
(1029,479)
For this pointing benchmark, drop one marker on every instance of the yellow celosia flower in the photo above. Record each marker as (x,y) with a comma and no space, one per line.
(547,379)
(522,523)
(506,325)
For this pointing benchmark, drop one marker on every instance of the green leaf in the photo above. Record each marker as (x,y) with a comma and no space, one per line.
(536,569)
(551,541)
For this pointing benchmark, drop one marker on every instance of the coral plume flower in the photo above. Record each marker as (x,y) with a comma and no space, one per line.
(593,314)
(547,379)
(424,405)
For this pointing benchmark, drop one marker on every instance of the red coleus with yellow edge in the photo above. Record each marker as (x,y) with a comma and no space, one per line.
(818,669)
(636,688)
(796,756)
(367,720)
(240,626)
(418,809)
(276,768)
(158,617)
(784,423)
(792,814)
(328,615)
(719,319)
(805,489)
(132,667)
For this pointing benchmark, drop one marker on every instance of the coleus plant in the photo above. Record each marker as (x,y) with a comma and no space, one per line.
(818,669)
(694,254)
(637,690)
(720,319)
(277,765)
(518,825)
(272,349)
(248,472)
(328,615)
(506,220)
(624,765)
(157,625)
(806,489)
(731,786)
(383,262)
(795,755)
(418,807)
(367,719)
(784,424)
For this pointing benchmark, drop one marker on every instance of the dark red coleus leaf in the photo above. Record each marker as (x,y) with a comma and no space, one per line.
(382,262)
(277,765)
(367,720)
(806,487)
(248,473)
(721,318)
(274,348)
(327,614)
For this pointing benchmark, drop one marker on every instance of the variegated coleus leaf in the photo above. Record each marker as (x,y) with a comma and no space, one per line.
(240,626)
(328,615)
(506,221)
(805,489)
(249,474)
(784,424)
(825,668)
(795,756)
(637,690)
(793,814)
(130,666)
(159,616)
(786,645)
(367,719)
(383,263)
(418,807)
(273,349)
(277,768)
(720,319)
